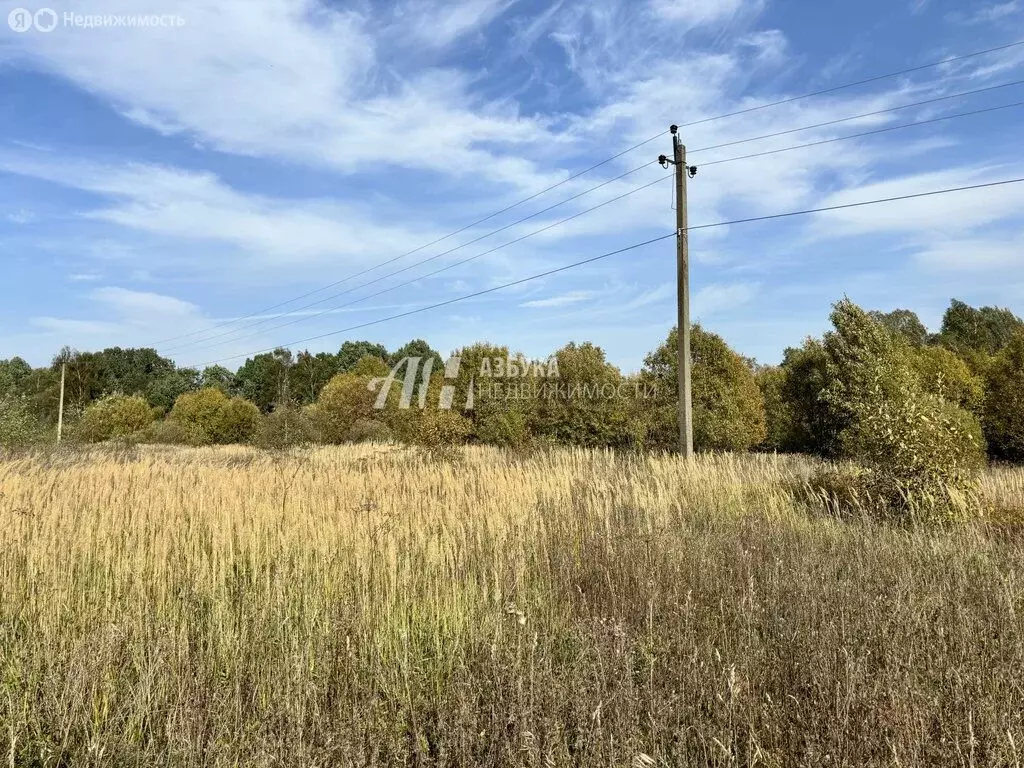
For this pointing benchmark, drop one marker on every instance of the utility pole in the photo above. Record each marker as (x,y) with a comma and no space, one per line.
(683,357)
(60,409)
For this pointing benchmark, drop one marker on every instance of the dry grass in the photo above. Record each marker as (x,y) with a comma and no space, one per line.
(369,606)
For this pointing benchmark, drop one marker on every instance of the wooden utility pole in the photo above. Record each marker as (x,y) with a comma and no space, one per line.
(683,358)
(60,408)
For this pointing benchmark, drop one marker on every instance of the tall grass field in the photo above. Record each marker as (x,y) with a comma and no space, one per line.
(372,606)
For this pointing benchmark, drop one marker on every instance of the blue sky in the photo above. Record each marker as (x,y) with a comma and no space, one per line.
(166,180)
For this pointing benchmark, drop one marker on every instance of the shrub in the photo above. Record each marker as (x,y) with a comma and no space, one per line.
(345,400)
(236,421)
(171,432)
(1004,402)
(921,452)
(199,413)
(285,427)
(114,416)
(18,425)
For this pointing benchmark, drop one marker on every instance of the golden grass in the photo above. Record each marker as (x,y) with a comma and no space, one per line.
(369,606)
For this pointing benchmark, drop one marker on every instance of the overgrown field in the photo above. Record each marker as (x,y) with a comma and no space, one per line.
(371,606)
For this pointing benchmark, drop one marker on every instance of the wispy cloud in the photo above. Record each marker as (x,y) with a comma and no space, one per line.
(572,297)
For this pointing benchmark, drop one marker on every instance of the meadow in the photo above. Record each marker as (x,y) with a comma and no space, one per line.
(371,605)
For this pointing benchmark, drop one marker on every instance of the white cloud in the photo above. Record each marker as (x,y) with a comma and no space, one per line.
(974,255)
(693,13)
(572,297)
(716,298)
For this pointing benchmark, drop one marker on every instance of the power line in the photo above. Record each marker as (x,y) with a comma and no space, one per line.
(864,133)
(875,79)
(592,259)
(422,261)
(747,110)
(827,123)
(444,268)
(315,315)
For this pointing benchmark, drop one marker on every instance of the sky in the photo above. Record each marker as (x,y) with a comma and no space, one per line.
(180,173)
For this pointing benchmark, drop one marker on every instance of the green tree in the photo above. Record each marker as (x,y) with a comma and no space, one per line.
(728,408)
(352,352)
(943,373)
(1004,402)
(236,422)
(219,377)
(19,426)
(264,379)
(417,348)
(588,404)
(346,400)
(164,391)
(310,374)
(771,380)
(921,452)
(905,323)
(986,331)
(115,416)
(14,376)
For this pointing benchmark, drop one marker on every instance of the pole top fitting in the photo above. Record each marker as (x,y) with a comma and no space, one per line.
(673,129)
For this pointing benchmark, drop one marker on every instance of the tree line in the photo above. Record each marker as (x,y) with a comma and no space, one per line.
(844,395)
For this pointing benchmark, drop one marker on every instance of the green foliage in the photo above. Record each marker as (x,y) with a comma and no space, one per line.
(210,416)
(114,416)
(987,330)
(164,391)
(416,348)
(218,377)
(903,323)
(728,408)
(236,422)
(14,375)
(921,451)
(1004,402)
(264,379)
(285,428)
(345,400)
(589,405)
(352,352)
(771,380)
(370,366)
(943,373)
(310,374)
(199,413)
(19,426)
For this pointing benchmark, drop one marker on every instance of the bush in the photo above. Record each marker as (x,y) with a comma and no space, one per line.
(236,421)
(170,432)
(921,452)
(199,413)
(345,400)
(1004,402)
(922,455)
(210,416)
(114,416)
(18,425)
(285,427)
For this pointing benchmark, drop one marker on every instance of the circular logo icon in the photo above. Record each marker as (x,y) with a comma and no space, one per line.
(20,20)
(46,19)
